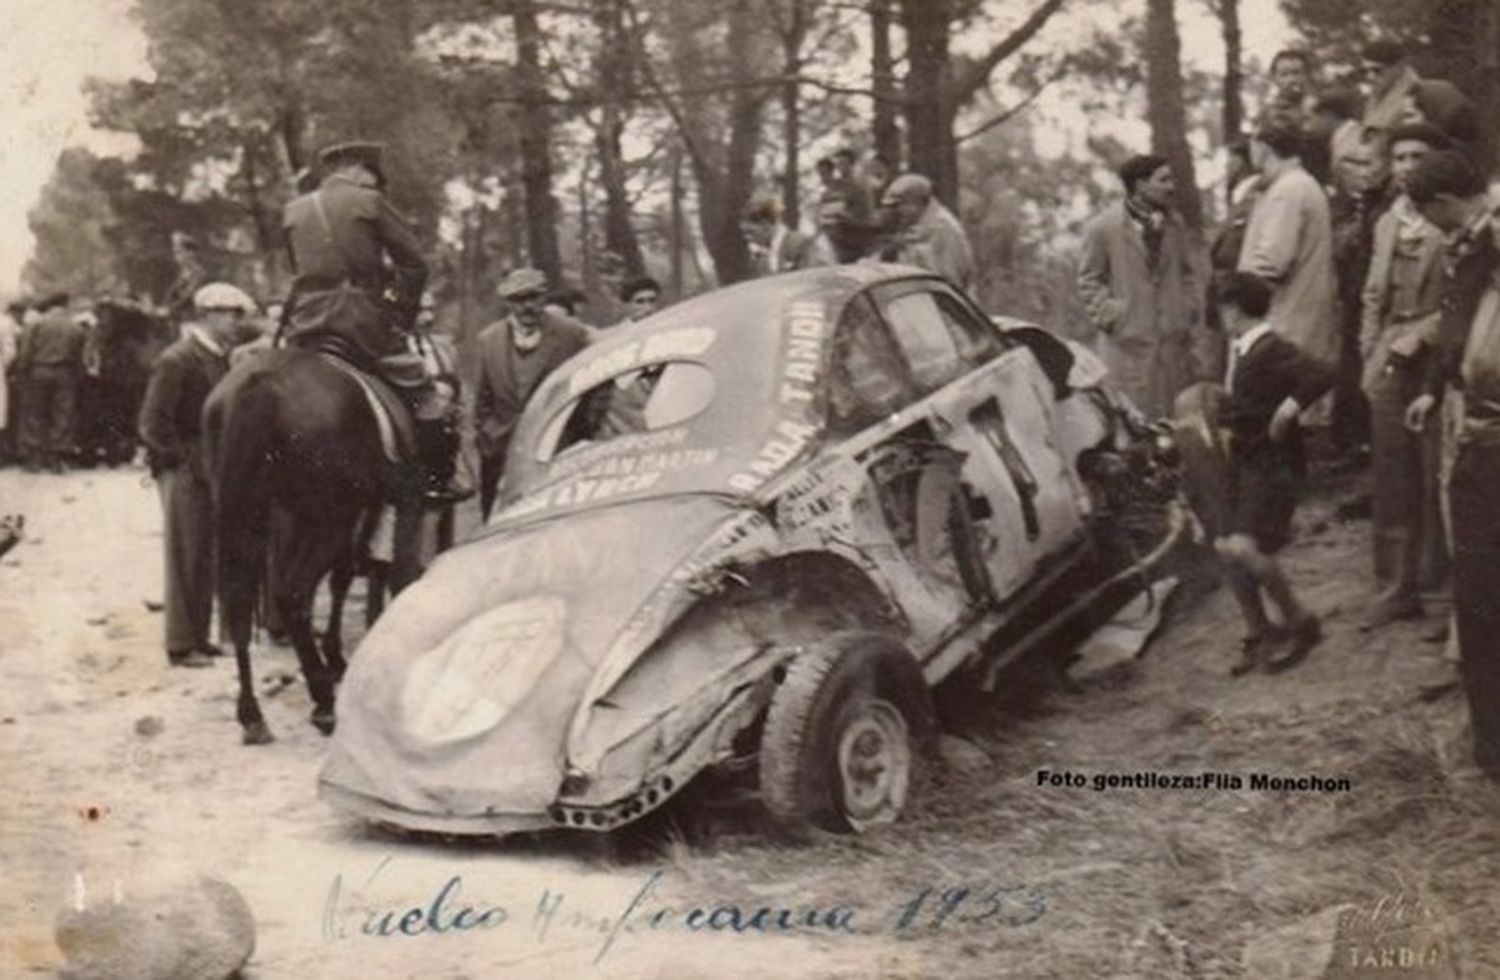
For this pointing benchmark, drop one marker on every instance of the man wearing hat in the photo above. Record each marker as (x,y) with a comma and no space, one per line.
(345,302)
(1387,79)
(170,427)
(48,364)
(515,353)
(775,246)
(927,233)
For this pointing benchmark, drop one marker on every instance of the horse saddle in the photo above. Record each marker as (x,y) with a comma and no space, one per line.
(398,434)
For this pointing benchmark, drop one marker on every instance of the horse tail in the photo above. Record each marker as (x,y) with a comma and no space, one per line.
(240,439)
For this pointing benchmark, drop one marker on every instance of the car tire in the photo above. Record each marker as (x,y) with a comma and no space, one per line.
(846,733)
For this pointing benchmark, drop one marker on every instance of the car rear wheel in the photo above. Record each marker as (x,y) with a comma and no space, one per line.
(843,742)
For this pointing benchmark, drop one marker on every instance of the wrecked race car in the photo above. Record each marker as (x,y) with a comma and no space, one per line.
(753,530)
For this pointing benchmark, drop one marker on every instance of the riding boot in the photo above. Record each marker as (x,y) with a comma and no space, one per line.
(437,450)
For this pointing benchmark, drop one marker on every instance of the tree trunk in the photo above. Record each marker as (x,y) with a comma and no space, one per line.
(536,144)
(929,107)
(616,86)
(678,223)
(1487,36)
(291,124)
(267,242)
(792,36)
(724,174)
(1233,118)
(883,83)
(1165,108)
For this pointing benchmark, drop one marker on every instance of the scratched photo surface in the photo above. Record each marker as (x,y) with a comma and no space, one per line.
(794,645)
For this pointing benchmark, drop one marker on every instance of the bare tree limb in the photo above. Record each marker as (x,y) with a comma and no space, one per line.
(974,74)
(1008,114)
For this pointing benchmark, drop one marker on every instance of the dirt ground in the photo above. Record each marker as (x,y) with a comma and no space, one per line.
(118,771)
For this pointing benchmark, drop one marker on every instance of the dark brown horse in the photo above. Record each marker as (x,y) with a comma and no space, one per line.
(291,434)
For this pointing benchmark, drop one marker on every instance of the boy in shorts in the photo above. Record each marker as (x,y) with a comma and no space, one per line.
(1270,382)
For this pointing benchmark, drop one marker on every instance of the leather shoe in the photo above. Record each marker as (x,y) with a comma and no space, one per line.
(1305,635)
(189,658)
(211,650)
(1385,612)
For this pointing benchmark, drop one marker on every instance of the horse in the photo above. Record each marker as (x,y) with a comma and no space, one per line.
(290,433)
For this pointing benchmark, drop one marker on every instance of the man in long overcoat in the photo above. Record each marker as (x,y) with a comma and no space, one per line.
(515,353)
(1143,292)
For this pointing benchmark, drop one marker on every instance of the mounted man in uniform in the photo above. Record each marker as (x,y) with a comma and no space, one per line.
(358,287)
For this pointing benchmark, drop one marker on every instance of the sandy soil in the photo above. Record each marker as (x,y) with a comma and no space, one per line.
(1014,879)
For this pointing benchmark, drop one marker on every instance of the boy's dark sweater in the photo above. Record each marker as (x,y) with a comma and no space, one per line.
(1273,370)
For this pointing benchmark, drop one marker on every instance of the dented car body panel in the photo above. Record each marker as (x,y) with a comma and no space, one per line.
(690,501)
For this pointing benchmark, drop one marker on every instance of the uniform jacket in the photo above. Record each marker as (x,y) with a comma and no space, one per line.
(338,237)
(1148,317)
(1289,243)
(171,414)
(1390,315)
(507,376)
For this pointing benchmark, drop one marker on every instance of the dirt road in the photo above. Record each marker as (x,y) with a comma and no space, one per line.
(116,768)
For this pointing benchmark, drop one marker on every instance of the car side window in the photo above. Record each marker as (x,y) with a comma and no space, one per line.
(977,340)
(869,380)
(926,338)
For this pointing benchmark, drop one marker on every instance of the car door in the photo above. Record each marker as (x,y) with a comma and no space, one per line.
(990,402)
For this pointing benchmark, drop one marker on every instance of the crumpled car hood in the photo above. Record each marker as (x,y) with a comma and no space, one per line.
(458,701)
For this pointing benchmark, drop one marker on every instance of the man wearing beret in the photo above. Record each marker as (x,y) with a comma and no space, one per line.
(515,353)
(345,302)
(171,429)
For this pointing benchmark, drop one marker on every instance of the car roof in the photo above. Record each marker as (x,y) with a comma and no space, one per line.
(750,323)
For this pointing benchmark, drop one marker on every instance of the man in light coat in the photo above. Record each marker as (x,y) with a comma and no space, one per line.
(927,233)
(1289,243)
(1137,276)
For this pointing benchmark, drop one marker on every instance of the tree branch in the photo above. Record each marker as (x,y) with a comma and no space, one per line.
(1010,113)
(976,73)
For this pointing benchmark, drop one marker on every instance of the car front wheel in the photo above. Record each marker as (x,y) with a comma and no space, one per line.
(844,738)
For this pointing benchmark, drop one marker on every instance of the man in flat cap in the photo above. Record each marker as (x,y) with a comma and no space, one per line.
(515,353)
(170,427)
(344,299)
(928,235)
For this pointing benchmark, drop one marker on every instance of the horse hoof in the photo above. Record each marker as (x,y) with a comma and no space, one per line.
(323,721)
(258,733)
